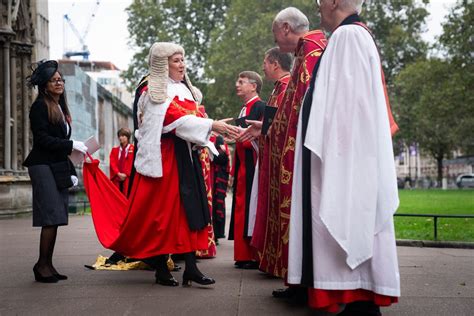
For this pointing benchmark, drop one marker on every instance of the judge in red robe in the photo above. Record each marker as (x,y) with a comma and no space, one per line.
(121,161)
(167,209)
(248,85)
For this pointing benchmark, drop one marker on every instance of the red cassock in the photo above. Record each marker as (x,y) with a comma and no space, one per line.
(116,167)
(153,220)
(258,237)
(245,158)
(281,147)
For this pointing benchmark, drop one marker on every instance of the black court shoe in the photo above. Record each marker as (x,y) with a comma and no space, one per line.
(168,280)
(43,279)
(200,279)
(60,276)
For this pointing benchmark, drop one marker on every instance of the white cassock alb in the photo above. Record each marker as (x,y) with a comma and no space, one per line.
(353,181)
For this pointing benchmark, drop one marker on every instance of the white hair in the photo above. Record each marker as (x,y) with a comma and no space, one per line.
(296,19)
(352,5)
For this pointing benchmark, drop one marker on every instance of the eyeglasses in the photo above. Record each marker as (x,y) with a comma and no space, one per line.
(57,81)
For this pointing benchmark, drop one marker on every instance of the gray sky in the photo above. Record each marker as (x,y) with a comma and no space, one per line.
(108,36)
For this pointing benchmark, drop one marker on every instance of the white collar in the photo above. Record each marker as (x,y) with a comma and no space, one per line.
(251,99)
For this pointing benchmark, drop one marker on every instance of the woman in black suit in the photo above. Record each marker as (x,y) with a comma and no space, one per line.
(49,167)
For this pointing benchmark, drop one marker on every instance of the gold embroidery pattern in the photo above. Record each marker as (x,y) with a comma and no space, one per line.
(286,202)
(304,74)
(316,53)
(187,111)
(281,141)
(290,146)
(285,175)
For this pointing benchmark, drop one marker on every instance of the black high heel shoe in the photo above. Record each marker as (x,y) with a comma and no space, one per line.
(200,279)
(60,276)
(166,280)
(43,279)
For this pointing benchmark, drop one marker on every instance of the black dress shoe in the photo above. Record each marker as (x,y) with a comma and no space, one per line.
(43,279)
(284,293)
(240,264)
(176,268)
(60,276)
(366,308)
(170,281)
(250,265)
(200,279)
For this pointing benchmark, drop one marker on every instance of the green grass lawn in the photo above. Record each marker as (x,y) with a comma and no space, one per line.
(455,202)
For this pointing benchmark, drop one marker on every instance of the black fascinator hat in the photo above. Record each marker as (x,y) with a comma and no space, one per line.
(44,70)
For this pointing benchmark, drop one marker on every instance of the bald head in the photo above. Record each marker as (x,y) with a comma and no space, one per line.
(352,5)
(333,12)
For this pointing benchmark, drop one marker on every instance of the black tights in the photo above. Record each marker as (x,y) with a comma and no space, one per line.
(160,264)
(46,248)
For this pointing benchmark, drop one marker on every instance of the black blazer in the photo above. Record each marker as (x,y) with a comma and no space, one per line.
(50,141)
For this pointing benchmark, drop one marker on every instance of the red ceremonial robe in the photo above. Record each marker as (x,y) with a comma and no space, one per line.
(153,220)
(258,237)
(281,140)
(115,167)
(245,158)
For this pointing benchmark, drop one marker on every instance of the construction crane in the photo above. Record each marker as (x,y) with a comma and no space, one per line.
(84,51)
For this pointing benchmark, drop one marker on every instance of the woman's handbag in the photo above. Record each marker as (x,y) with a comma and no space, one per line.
(62,174)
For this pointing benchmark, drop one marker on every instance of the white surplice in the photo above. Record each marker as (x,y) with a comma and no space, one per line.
(353,181)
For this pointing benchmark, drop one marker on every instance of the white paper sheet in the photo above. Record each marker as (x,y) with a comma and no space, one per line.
(92,146)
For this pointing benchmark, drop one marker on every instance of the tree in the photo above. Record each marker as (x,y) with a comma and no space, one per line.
(457,43)
(397,26)
(188,23)
(431,108)
(240,45)
(457,39)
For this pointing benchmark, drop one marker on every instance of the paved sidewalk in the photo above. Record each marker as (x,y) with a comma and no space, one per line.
(434,281)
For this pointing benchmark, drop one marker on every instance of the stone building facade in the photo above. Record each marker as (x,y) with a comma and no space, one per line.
(18,20)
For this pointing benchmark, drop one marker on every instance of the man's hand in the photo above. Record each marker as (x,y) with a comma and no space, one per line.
(122,176)
(226,130)
(252,132)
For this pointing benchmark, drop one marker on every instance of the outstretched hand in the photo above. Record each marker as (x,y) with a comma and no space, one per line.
(226,130)
(252,132)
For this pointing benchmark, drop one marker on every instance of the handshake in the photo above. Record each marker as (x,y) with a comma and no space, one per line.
(246,131)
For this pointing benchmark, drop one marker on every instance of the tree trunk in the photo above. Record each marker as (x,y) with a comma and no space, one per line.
(439,160)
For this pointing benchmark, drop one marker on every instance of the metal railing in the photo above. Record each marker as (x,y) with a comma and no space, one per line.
(84,203)
(435,217)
